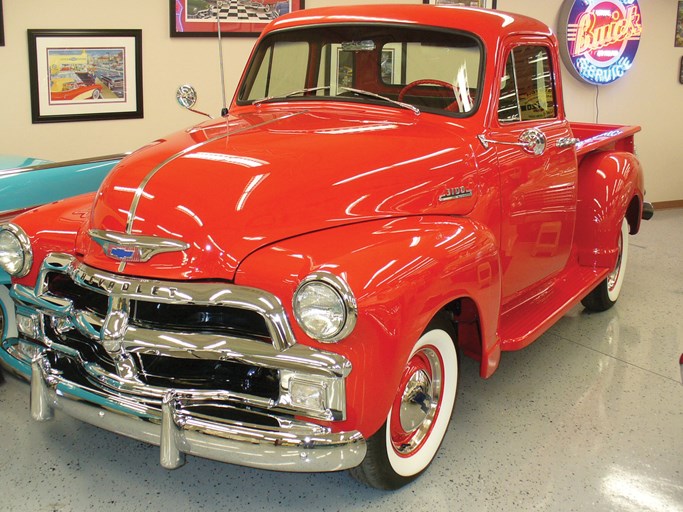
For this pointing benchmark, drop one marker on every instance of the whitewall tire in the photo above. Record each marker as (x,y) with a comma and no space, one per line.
(605,295)
(421,411)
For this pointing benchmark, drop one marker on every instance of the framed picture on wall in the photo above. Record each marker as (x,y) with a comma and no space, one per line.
(85,75)
(237,17)
(678,40)
(487,4)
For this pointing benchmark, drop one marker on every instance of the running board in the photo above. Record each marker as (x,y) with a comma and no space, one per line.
(525,320)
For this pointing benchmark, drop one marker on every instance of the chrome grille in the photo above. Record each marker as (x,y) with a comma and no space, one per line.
(203,318)
(207,374)
(140,339)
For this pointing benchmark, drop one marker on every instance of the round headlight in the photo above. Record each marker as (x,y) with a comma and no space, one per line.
(15,251)
(324,307)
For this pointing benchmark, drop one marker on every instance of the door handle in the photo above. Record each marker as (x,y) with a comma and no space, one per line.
(566,142)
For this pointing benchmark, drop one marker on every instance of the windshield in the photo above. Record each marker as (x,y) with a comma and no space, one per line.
(434,70)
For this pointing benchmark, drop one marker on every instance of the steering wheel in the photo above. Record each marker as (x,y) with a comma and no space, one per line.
(452,107)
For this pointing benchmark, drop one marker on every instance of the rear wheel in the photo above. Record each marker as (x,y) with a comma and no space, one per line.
(605,295)
(417,422)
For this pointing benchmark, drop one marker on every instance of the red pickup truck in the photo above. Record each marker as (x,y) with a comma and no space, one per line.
(292,286)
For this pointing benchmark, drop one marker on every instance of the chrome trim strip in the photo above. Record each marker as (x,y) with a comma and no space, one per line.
(150,175)
(8,215)
(68,163)
(298,447)
(217,347)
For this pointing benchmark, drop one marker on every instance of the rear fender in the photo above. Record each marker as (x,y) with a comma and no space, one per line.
(402,273)
(610,188)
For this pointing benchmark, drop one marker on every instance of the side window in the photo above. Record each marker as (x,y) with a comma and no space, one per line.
(527,89)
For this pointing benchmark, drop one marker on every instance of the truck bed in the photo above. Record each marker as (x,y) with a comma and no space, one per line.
(594,136)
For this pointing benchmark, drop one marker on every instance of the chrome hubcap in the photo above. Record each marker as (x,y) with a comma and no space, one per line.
(417,403)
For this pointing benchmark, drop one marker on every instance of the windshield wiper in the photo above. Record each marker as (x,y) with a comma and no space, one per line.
(289,94)
(380,97)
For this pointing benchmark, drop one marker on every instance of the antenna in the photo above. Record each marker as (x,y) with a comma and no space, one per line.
(219,5)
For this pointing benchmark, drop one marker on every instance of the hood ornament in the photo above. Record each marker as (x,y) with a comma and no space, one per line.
(134,248)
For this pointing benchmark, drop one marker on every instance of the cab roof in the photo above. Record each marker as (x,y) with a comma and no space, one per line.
(487,23)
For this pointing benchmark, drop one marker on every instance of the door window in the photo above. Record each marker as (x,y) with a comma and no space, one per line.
(527,91)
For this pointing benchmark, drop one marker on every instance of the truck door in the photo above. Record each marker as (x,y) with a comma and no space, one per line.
(538,169)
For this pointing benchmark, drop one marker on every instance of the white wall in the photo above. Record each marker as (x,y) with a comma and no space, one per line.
(649,95)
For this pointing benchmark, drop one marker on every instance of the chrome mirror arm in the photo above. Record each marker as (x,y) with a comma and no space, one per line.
(487,142)
(532,141)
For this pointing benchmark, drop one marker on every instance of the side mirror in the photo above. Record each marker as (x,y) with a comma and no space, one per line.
(533,141)
(186,96)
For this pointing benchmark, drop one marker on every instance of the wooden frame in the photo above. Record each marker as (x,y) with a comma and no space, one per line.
(85,75)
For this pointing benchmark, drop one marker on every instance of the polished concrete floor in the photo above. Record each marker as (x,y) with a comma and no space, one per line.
(590,417)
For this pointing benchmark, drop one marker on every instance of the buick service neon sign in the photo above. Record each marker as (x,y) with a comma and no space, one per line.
(600,38)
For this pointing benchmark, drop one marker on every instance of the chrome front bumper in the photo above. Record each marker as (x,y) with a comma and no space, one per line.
(83,347)
(299,447)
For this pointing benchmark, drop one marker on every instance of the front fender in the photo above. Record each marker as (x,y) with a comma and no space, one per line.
(53,228)
(608,183)
(402,272)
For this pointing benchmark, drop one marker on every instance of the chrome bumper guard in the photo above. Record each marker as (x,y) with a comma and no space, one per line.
(297,448)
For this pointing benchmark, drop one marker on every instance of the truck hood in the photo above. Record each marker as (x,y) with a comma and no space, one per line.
(228,187)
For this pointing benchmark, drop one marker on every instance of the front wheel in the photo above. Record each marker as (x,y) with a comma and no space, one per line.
(605,295)
(418,419)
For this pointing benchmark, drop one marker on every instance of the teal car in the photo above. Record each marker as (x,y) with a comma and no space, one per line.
(26,183)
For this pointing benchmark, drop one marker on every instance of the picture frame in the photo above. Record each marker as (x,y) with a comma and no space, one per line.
(680,72)
(197,18)
(2,27)
(678,36)
(486,4)
(85,75)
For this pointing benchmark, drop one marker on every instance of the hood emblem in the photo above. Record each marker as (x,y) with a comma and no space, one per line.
(120,252)
(134,248)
